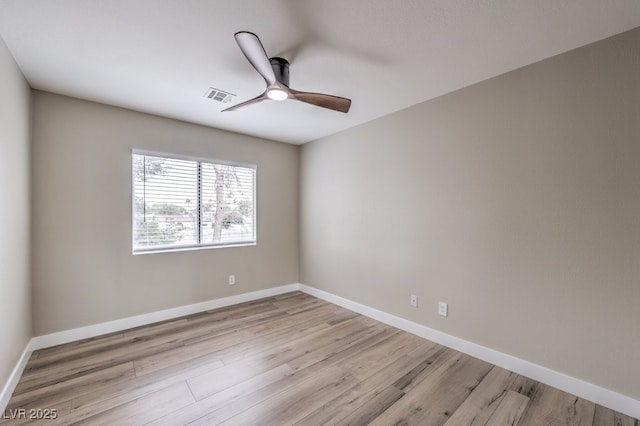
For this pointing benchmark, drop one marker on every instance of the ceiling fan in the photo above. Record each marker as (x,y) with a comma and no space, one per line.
(275,72)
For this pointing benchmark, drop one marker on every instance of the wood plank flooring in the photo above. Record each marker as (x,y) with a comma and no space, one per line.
(285,360)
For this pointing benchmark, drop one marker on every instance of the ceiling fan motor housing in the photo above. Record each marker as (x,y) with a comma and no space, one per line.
(280,69)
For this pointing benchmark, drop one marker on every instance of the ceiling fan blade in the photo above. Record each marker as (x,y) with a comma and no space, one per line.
(255,100)
(335,103)
(254,51)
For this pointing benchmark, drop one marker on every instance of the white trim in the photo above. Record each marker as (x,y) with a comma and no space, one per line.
(588,391)
(11,384)
(67,336)
(170,156)
(94,330)
(172,249)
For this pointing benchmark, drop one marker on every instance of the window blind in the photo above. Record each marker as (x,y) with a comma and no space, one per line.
(183,203)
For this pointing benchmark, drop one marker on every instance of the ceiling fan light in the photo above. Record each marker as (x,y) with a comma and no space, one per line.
(277,94)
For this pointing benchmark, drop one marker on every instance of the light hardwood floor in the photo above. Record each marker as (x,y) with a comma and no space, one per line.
(290,359)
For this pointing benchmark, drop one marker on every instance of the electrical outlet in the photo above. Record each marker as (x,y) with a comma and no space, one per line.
(232,279)
(443,309)
(413,301)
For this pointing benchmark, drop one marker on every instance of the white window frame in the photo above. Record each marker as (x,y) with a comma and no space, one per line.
(200,245)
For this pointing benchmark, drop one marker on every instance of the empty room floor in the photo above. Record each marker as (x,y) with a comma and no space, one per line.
(288,359)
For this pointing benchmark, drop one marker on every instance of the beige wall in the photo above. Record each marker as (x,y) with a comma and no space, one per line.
(15,286)
(83,269)
(516,200)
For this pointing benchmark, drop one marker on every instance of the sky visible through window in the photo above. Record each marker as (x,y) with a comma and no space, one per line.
(184,203)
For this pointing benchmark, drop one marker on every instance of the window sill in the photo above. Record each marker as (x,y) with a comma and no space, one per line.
(192,248)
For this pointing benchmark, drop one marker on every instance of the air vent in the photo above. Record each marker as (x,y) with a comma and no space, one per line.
(219,95)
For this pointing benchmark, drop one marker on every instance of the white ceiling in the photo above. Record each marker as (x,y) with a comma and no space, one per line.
(160,56)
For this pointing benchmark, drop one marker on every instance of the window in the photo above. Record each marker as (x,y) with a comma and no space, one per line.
(182,203)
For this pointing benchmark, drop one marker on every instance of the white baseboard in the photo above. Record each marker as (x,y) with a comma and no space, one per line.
(588,391)
(59,338)
(10,385)
(67,336)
